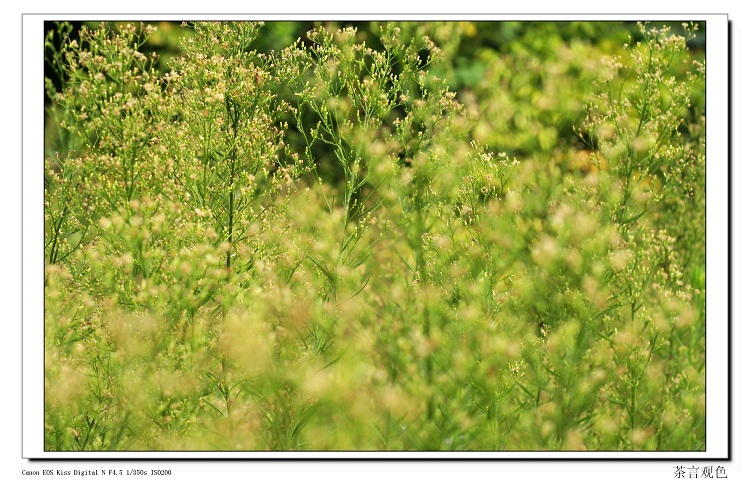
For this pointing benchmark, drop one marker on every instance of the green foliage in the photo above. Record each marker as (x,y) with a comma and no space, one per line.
(411,236)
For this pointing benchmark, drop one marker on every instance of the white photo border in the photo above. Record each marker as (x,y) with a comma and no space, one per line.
(718,419)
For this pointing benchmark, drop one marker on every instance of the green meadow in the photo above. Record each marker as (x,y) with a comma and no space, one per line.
(375,236)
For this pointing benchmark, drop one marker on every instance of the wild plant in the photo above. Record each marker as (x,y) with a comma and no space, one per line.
(327,247)
(655,181)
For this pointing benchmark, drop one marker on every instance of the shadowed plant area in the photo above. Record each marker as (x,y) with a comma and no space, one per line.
(395,236)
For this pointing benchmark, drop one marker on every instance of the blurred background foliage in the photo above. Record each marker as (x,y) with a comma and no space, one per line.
(525,82)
